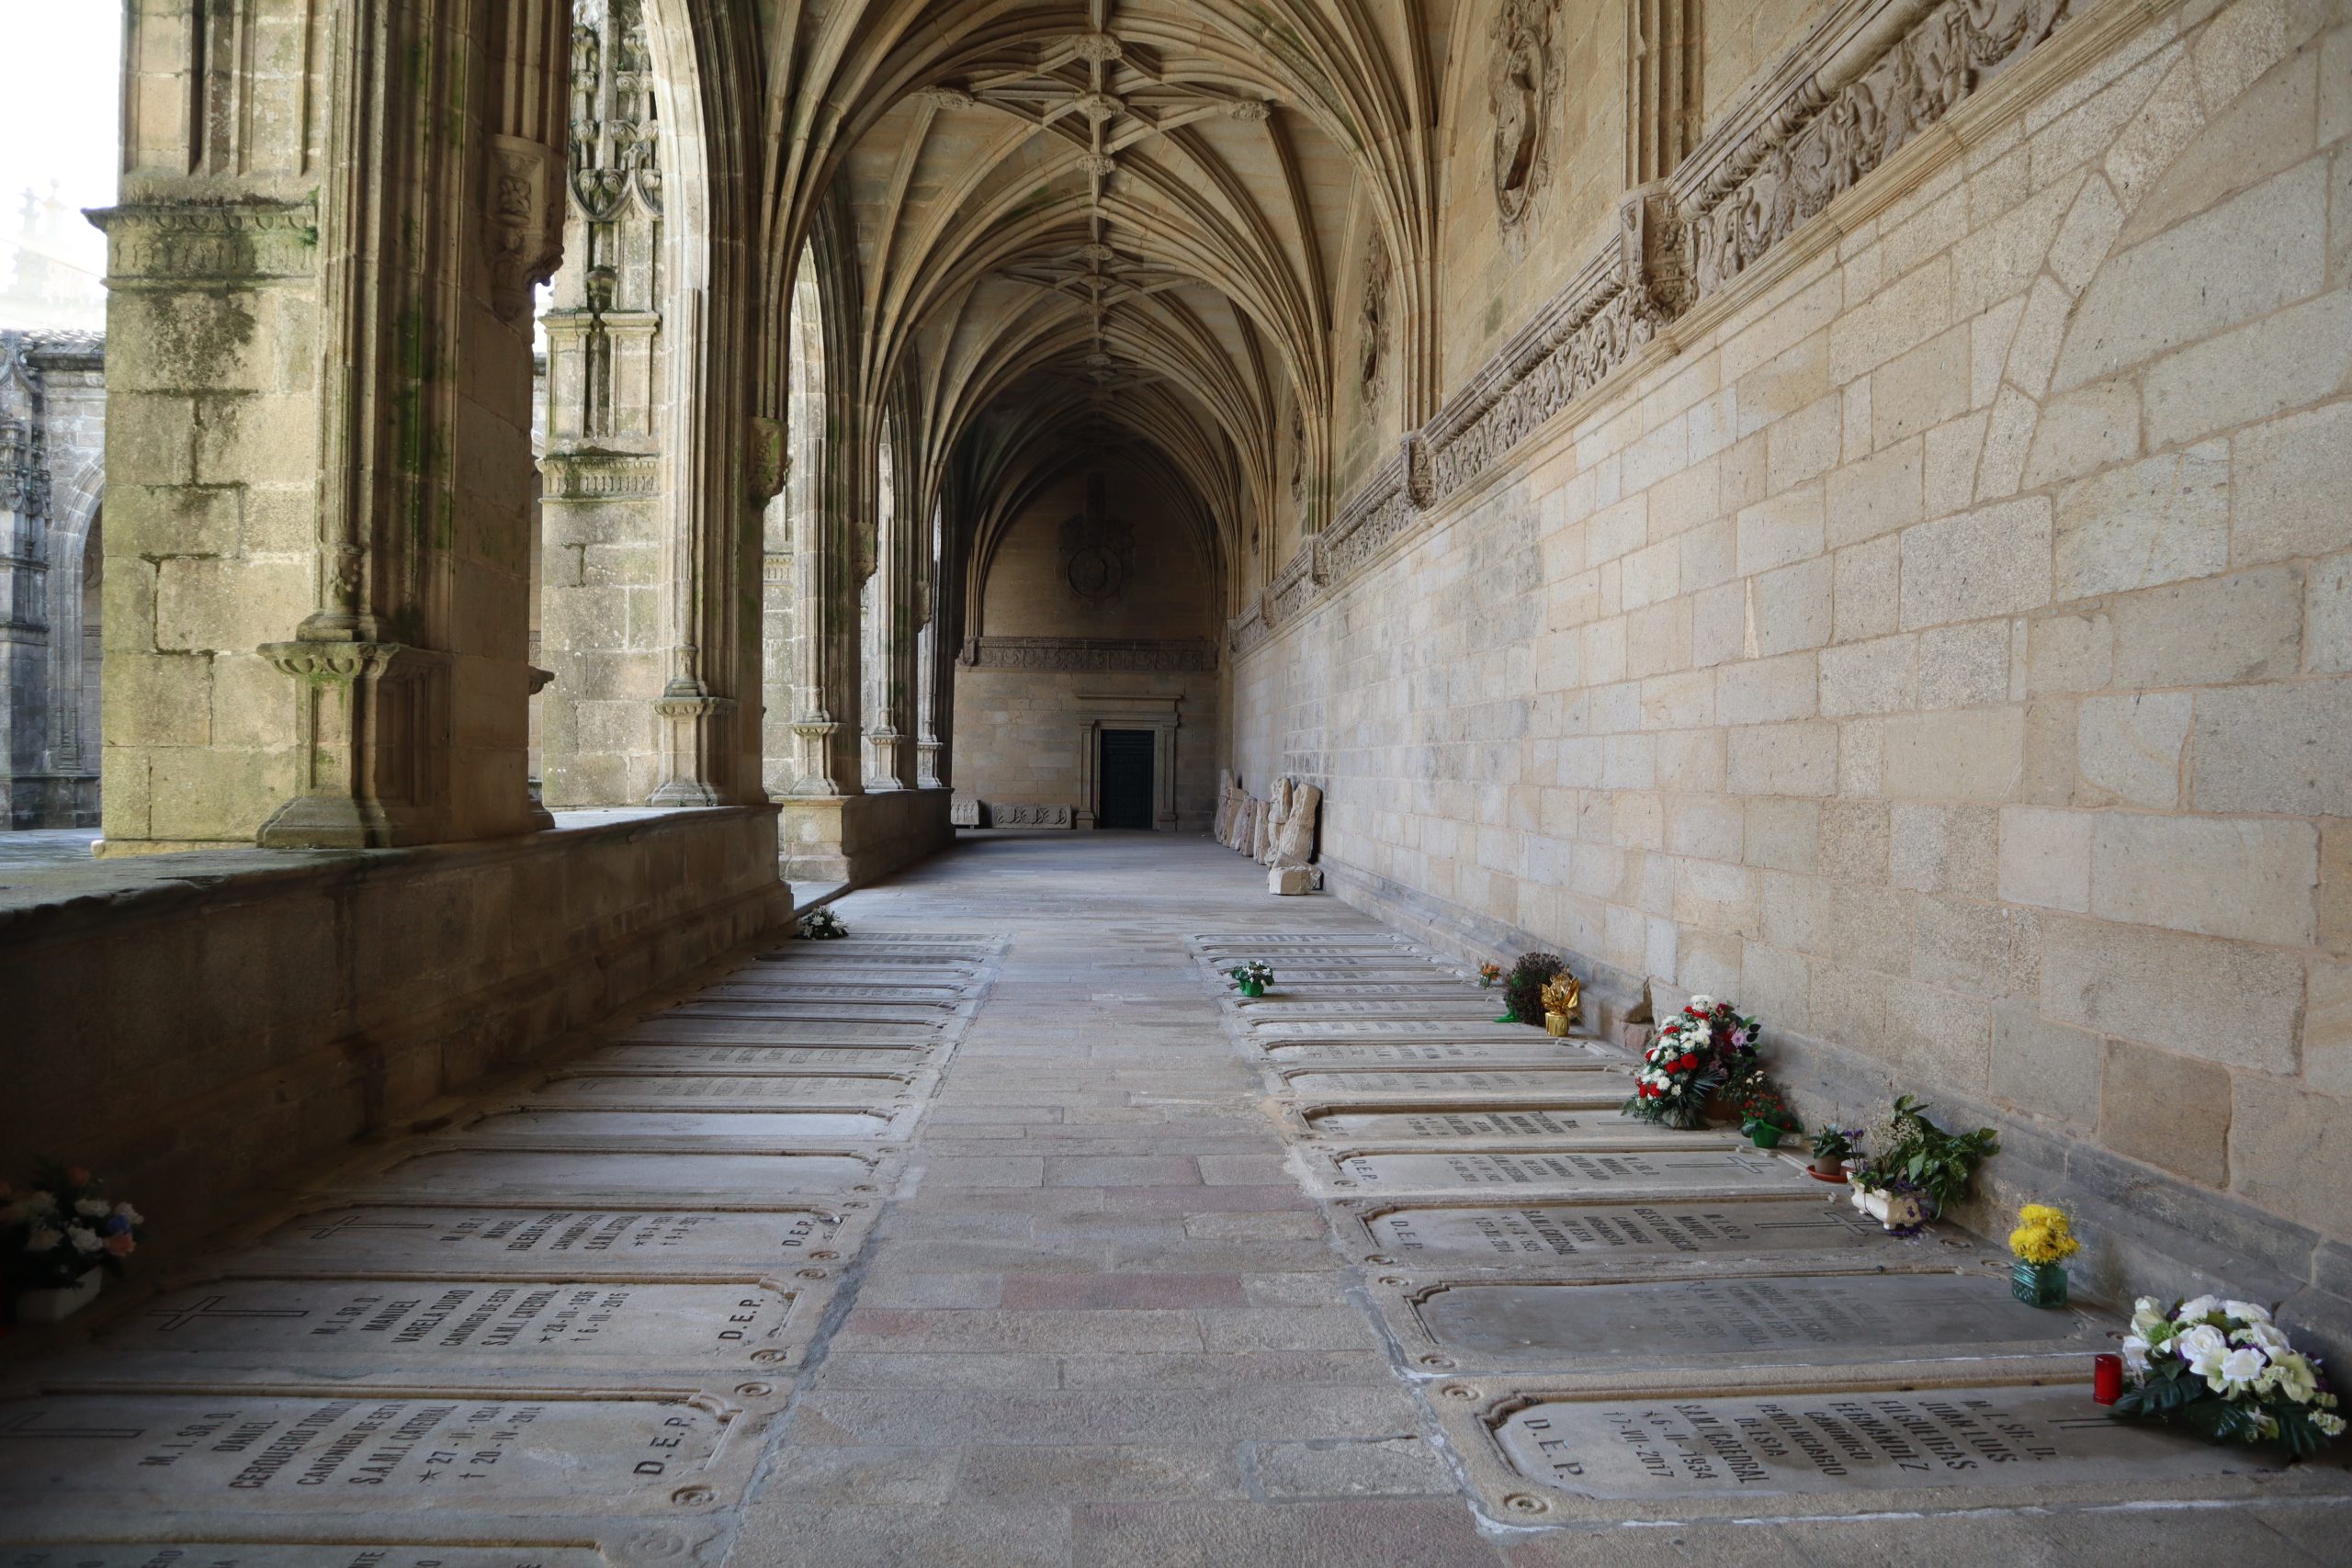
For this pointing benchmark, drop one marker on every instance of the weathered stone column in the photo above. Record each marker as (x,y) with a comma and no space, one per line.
(321,279)
(603,627)
(24,587)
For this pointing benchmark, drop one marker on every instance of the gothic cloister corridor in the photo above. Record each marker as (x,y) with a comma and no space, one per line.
(1763,589)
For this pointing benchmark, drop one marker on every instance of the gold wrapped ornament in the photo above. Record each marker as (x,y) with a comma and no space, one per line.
(1562,996)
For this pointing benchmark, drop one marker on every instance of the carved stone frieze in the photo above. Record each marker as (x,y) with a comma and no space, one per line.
(1876,82)
(1086,655)
(1029,816)
(181,241)
(1248,631)
(1830,133)
(591,475)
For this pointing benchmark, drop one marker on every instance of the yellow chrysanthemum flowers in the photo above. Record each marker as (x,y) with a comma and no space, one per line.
(2044,1234)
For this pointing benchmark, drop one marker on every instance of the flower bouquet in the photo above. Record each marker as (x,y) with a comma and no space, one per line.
(2040,1245)
(1254,977)
(1523,987)
(60,1238)
(822,925)
(1489,975)
(1691,1055)
(2224,1371)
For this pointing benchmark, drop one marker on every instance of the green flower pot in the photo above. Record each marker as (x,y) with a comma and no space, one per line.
(2039,1284)
(1253,988)
(1764,1135)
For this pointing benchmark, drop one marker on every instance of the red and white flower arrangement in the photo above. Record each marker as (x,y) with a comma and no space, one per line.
(62,1226)
(1692,1055)
(2224,1371)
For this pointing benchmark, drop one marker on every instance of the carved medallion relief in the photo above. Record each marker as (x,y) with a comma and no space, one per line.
(1372,344)
(1098,549)
(1524,89)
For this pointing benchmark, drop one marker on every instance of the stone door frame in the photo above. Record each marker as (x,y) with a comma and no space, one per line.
(1102,711)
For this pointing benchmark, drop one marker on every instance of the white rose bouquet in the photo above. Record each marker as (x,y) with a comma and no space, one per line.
(2224,1371)
(62,1226)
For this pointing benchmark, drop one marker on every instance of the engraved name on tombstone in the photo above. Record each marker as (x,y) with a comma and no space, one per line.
(1548,1232)
(482,1236)
(1753,1319)
(481,1172)
(1630,1172)
(391,1326)
(1673,1448)
(827,1123)
(161,1451)
(1433,1125)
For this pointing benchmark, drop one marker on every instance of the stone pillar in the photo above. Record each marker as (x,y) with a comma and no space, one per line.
(24,589)
(1663,49)
(319,443)
(604,620)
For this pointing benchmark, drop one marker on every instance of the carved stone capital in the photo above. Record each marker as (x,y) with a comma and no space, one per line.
(770,462)
(523,223)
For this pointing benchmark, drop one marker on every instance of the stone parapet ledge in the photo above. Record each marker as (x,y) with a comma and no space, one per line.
(197,1025)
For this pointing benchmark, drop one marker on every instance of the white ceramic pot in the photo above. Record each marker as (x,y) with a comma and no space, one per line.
(1895,1211)
(54,1306)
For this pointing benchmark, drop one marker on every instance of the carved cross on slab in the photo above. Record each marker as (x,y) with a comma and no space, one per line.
(26,1427)
(210,1307)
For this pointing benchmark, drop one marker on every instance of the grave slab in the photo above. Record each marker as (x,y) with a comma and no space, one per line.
(1333,971)
(1559,1123)
(1448,1006)
(1615,1175)
(1520,1236)
(802,1013)
(1308,989)
(787,991)
(674,1030)
(1630,1457)
(221,1554)
(402,1331)
(475,1238)
(637,1091)
(247,1457)
(584,1173)
(1465,1030)
(765,1058)
(1521,1051)
(1548,1083)
(613,1126)
(1729,1318)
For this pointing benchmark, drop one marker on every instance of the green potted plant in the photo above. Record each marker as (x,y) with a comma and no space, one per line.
(1832,1147)
(1920,1169)
(1765,1114)
(1254,977)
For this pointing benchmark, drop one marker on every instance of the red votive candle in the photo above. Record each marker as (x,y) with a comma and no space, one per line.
(2107,1377)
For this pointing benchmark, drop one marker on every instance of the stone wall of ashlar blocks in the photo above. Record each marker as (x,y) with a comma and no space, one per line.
(1945,651)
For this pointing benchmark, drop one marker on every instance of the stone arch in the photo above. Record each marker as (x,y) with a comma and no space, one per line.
(654,471)
(72,746)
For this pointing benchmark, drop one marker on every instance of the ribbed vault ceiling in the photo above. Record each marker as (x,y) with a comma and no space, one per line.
(1081,226)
